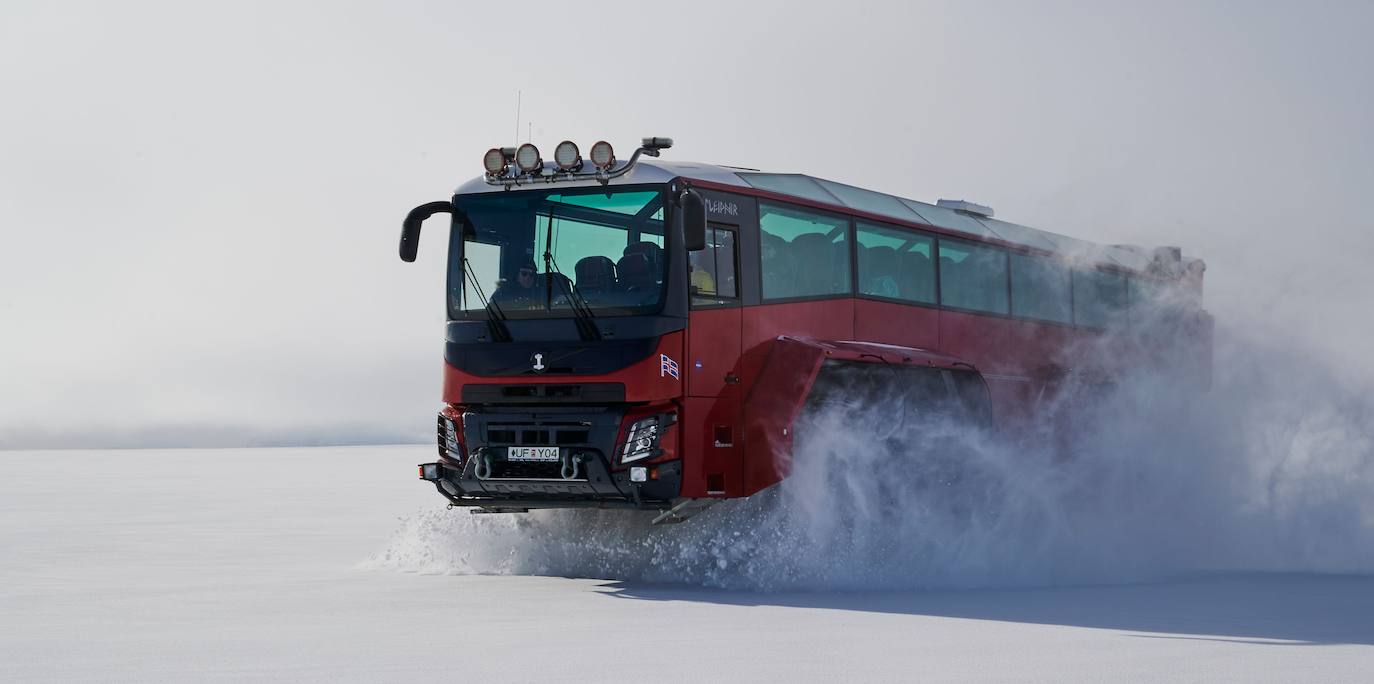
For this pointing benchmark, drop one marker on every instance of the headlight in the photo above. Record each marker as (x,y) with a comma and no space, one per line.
(450,436)
(641,441)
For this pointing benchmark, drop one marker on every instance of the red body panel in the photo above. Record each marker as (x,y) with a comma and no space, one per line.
(713,348)
(891,323)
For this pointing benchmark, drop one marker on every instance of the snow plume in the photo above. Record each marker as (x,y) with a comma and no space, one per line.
(1270,470)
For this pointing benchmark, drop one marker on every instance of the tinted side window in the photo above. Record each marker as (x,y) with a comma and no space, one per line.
(973,277)
(1040,288)
(895,263)
(1099,299)
(713,268)
(803,254)
(1149,301)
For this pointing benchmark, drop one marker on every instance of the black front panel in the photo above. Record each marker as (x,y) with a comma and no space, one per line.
(574,393)
(552,347)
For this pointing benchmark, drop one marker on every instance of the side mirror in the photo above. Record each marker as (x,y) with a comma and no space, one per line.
(693,221)
(410,228)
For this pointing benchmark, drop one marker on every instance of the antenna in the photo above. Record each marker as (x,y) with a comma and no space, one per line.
(517,115)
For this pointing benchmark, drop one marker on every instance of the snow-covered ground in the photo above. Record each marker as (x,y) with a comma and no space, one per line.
(252,564)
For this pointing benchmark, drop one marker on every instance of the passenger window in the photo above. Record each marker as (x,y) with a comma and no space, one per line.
(1099,299)
(973,277)
(1040,288)
(895,263)
(712,276)
(1155,307)
(803,254)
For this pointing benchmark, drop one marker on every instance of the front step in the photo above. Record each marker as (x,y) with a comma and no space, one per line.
(682,510)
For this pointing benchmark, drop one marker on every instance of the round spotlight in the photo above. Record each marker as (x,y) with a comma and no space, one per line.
(567,157)
(527,158)
(603,157)
(494,161)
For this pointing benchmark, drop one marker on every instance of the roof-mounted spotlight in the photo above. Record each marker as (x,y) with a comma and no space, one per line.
(494,161)
(603,157)
(567,156)
(527,158)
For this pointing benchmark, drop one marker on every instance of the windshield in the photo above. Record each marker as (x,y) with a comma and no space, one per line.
(536,254)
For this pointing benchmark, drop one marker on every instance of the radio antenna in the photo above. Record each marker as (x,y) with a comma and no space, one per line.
(517,116)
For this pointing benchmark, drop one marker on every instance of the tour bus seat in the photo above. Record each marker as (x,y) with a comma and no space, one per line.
(652,252)
(816,270)
(917,277)
(561,284)
(880,276)
(594,274)
(635,272)
(951,274)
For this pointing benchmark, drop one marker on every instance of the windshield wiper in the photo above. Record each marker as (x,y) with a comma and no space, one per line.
(496,318)
(586,327)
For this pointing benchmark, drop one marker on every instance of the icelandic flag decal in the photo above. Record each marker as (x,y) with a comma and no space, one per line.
(666,366)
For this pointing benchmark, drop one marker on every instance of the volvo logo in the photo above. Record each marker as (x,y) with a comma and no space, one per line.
(537,362)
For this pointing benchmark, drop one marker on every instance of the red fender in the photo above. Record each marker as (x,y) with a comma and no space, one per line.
(781,388)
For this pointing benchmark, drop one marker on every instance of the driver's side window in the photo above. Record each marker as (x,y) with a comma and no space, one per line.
(712,273)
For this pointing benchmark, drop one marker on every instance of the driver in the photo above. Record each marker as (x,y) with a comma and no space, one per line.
(522,291)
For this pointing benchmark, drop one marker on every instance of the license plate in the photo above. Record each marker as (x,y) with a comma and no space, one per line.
(531,453)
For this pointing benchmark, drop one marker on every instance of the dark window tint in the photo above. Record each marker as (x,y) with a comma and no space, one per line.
(895,263)
(1040,288)
(803,254)
(973,277)
(1099,299)
(713,268)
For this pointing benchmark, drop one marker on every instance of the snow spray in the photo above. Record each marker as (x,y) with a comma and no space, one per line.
(1272,469)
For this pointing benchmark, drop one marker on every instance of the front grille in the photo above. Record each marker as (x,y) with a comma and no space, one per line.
(545,434)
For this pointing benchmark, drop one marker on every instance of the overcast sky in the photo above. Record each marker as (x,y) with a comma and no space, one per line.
(199,203)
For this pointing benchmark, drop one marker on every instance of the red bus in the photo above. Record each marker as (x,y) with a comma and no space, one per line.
(644,334)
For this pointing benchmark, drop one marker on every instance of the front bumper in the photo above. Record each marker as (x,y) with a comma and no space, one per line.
(476,472)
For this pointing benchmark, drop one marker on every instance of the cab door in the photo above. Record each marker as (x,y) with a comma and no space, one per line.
(713,339)
(713,356)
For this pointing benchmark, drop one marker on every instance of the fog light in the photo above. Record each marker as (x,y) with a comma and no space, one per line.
(639,474)
(429,471)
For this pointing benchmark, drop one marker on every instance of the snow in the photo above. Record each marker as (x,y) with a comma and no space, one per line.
(176,565)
